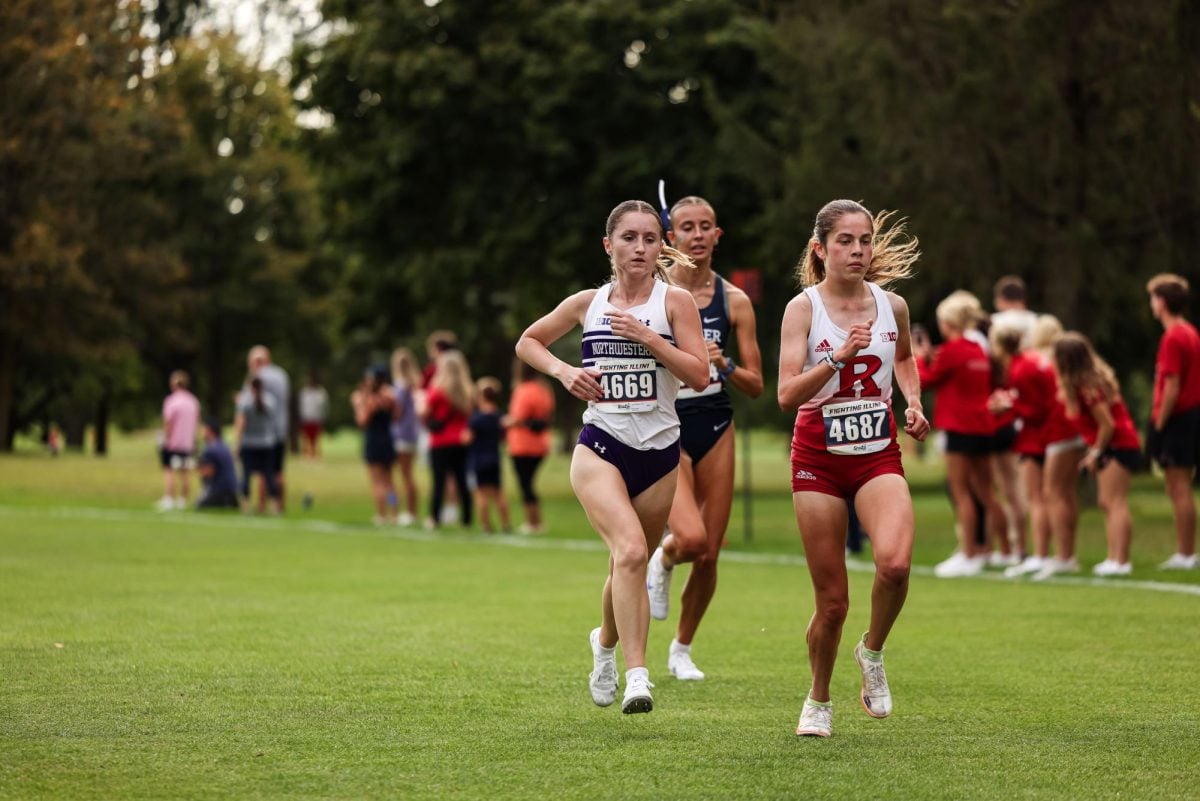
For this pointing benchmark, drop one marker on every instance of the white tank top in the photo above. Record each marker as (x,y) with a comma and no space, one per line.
(866,377)
(639,404)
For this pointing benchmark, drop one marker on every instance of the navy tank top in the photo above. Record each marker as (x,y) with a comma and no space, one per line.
(714,318)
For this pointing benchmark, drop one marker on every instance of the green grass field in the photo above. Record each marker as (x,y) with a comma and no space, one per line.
(315,656)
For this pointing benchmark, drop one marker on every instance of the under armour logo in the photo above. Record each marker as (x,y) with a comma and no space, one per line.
(599,447)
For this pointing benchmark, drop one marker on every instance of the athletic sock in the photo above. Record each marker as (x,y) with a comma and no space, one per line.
(679,648)
(874,656)
(822,704)
(604,651)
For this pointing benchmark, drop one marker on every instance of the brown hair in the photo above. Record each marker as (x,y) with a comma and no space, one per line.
(178,380)
(1081,371)
(667,257)
(1010,288)
(1173,289)
(489,388)
(894,250)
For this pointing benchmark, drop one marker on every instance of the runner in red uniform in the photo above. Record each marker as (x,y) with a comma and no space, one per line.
(842,340)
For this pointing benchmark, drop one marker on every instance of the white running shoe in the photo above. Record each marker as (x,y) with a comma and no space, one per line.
(1110,568)
(681,666)
(602,681)
(1032,564)
(998,559)
(658,585)
(637,693)
(959,565)
(165,504)
(875,696)
(1179,562)
(405,519)
(815,721)
(1053,567)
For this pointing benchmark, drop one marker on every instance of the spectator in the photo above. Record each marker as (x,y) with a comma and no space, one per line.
(314,409)
(256,432)
(1175,415)
(530,411)
(217,470)
(181,418)
(374,406)
(487,431)
(447,404)
(1009,301)
(406,427)
(961,375)
(275,383)
(1094,406)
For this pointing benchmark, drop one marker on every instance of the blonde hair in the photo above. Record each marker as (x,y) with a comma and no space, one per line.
(1081,370)
(692,200)
(893,250)
(404,369)
(453,377)
(667,257)
(1044,333)
(960,310)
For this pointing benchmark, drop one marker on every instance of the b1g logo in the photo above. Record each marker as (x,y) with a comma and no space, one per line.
(887,336)
(856,379)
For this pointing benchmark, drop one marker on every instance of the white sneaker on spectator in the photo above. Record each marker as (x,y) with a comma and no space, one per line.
(959,565)
(1179,562)
(1110,568)
(1054,566)
(602,681)
(1031,564)
(658,586)
(405,519)
(165,504)
(998,559)
(449,514)
(637,692)
(815,720)
(680,664)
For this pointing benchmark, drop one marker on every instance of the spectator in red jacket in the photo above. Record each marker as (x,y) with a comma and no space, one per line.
(1028,394)
(960,374)
(1094,406)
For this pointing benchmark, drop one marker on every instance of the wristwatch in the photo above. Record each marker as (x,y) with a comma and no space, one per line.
(836,365)
(730,366)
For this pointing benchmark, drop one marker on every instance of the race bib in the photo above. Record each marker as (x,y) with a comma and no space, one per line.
(629,385)
(856,427)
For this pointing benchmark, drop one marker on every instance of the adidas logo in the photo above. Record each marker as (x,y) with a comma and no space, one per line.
(824,347)
(804,475)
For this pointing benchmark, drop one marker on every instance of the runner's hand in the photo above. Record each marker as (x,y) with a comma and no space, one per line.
(858,337)
(915,424)
(583,383)
(627,326)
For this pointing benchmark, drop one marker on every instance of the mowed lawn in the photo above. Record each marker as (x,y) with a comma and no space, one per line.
(221,656)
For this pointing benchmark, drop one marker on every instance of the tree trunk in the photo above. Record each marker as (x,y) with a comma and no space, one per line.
(8,369)
(101,434)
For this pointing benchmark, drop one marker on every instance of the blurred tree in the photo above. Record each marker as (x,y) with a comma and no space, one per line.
(474,149)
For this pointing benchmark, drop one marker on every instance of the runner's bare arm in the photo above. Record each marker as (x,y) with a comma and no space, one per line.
(747,377)
(905,369)
(796,385)
(533,347)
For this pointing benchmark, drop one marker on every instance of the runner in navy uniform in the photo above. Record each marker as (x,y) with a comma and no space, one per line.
(641,337)
(843,339)
(700,512)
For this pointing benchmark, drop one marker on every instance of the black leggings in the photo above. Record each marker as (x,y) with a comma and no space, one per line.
(526,466)
(451,459)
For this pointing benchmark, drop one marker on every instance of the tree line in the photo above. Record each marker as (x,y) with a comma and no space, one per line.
(169,201)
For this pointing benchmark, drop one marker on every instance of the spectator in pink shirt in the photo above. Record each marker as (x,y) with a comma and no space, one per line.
(181,418)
